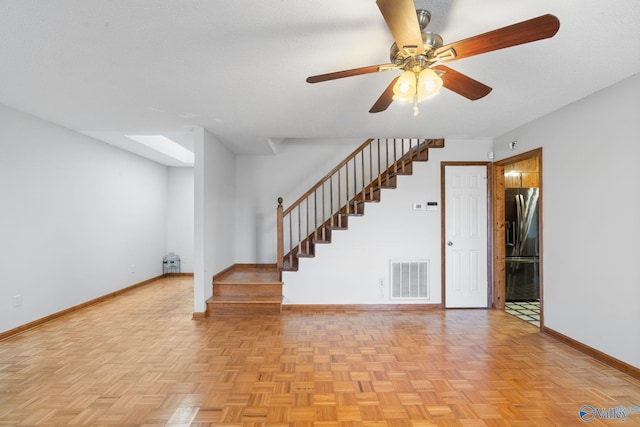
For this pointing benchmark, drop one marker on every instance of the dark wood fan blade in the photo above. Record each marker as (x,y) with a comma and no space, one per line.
(539,28)
(462,84)
(401,18)
(350,73)
(385,99)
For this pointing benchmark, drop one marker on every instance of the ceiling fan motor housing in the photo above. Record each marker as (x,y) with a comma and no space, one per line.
(431,42)
(406,57)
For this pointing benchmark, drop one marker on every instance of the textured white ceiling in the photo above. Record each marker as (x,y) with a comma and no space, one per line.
(238,68)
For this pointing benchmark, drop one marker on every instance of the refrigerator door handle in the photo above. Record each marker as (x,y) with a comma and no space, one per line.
(520,226)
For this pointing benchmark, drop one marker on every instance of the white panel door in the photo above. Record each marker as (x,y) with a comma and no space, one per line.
(466,282)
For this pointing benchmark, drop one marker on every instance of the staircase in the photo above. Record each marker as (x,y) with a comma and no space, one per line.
(359,179)
(246,289)
(344,192)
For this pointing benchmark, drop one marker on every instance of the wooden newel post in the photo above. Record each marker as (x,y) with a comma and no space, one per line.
(280,261)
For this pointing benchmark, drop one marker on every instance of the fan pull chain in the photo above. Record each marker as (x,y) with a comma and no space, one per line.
(415,96)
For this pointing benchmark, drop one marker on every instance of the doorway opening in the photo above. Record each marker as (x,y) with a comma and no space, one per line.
(517,239)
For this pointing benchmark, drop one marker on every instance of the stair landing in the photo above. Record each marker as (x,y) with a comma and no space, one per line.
(246,289)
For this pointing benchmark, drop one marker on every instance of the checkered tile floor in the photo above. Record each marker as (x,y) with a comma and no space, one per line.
(527,310)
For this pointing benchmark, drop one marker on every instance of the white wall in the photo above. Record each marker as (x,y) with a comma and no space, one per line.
(215,193)
(298,165)
(180,216)
(78,218)
(348,270)
(591,217)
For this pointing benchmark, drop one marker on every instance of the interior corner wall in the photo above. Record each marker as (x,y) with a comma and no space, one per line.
(180,216)
(79,219)
(350,269)
(214,209)
(591,225)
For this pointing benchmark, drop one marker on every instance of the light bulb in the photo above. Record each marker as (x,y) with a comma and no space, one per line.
(405,87)
(429,83)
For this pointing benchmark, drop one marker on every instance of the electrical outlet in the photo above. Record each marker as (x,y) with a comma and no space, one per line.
(381,283)
(17,300)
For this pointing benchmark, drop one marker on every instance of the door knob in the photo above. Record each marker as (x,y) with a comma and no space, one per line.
(449,243)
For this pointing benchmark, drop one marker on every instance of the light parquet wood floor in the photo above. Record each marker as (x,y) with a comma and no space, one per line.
(139,359)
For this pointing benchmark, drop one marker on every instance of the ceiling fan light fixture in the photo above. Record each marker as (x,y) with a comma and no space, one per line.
(405,88)
(429,83)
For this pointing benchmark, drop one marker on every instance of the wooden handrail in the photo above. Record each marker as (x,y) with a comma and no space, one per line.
(327,176)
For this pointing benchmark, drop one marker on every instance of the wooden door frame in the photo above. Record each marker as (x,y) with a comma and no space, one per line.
(497,203)
(443,237)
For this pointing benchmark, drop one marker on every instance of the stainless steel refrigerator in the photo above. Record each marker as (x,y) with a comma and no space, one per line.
(523,248)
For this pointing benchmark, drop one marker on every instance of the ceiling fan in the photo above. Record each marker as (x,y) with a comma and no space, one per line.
(419,53)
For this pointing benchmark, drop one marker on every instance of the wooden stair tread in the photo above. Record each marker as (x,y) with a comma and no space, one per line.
(247,289)
(305,255)
(241,274)
(253,282)
(238,299)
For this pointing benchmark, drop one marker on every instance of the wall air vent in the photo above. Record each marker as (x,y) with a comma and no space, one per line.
(410,279)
